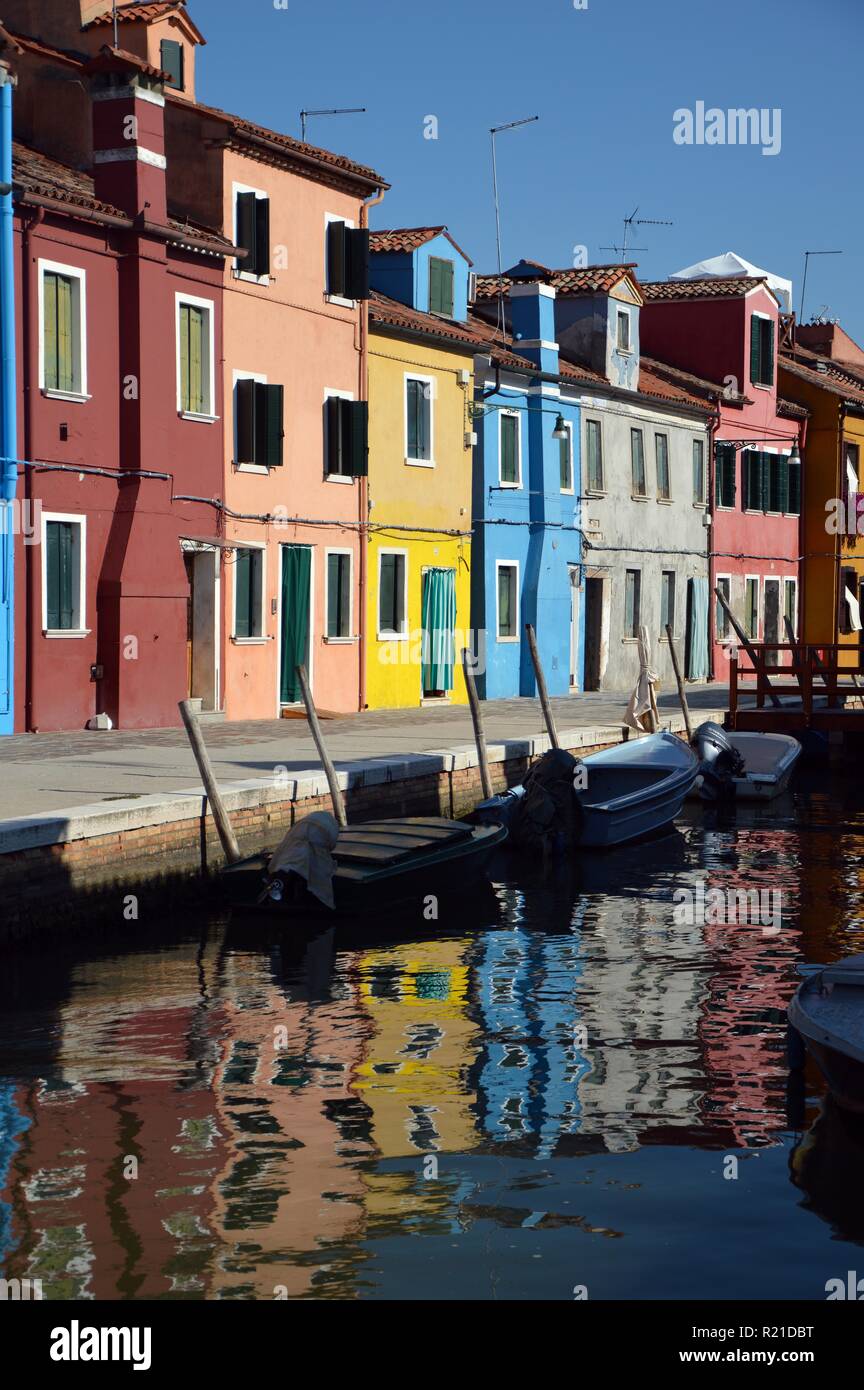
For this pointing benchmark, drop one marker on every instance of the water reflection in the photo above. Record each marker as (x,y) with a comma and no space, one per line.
(487,1105)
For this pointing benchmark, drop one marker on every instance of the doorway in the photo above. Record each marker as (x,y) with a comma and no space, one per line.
(439,629)
(573,571)
(202,564)
(771,625)
(593,632)
(296,625)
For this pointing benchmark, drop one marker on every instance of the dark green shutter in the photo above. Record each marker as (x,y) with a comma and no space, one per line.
(767,483)
(509,449)
(447,288)
(440,287)
(171,62)
(434,285)
(387,616)
(242,594)
(768,352)
(357,263)
(724,475)
(67,602)
(245,396)
(793,505)
(415,427)
(274,429)
(782,475)
(246,230)
(357,433)
(333,412)
(335,626)
(262,236)
(336,258)
(754,347)
(52,575)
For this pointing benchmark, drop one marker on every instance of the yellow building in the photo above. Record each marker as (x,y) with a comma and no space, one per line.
(418,556)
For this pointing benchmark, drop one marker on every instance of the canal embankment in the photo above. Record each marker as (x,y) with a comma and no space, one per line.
(92,824)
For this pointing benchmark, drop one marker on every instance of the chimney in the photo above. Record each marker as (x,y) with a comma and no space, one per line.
(128,134)
(532,317)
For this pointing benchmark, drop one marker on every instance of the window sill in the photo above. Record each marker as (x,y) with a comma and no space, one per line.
(340,641)
(666,501)
(700,506)
(509,487)
(198,419)
(392,636)
(594,492)
(763,385)
(338,478)
(632,640)
(507,639)
(420,463)
(251,641)
(74,397)
(427,700)
(65,634)
(568,492)
(260,468)
(639,497)
(343,303)
(251,279)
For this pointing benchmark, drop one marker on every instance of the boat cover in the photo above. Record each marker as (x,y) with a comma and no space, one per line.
(307,850)
(382,842)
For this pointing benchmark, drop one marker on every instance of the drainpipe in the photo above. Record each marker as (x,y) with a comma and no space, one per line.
(8,394)
(363,490)
(29,224)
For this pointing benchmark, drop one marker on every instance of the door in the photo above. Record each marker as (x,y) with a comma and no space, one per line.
(296,595)
(593,632)
(202,625)
(574,626)
(439,626)
(771,627)
(189,562)
(697,629)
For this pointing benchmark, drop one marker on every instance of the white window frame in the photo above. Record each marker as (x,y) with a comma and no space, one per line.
(511,565)
(697,439)
(658,435)
(261,195)
(79,278)
(329,392)
(239,375)
(789,579)
(517,415)
(619,315)
(588,489)
(638,496)
(205,417)
(384,635)
(339,550)
(730,631)
(571,490)
(432,383)
(674,624)
(80,630)
(262,637)
(764,385)
(336,298)
(753,636)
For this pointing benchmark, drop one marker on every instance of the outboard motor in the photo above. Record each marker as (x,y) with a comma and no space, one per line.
(719,761)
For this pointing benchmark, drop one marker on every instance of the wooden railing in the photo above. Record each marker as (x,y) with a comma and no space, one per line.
(832,672)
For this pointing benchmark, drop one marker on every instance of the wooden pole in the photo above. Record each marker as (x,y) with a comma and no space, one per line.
(685,708)
(541,687)
(747,645)
(477,721)
(314,725)
(214,796)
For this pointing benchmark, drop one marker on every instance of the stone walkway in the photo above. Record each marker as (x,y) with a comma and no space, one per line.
(42,774)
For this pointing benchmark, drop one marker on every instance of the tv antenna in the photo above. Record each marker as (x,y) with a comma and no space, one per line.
(807,255)
(631,222)
(330,111)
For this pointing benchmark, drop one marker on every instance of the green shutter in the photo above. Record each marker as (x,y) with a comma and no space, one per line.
(440,287)
(781,483)
(725,476)
(413,406)
(336,258)
(333,427)
(754,347)
(447,288)
(357,434)
(243,594)
(274,414)
(171,61)
(505,601)
(192,359)
(50,362)
(434,285)
(509,449)
(67,599)
(52,575)
(65,371)
(357,263)
(768,352)
(246,231)
(245,423)
(566,466)
(387,616)
(793,505)
(333,578)
(262,236)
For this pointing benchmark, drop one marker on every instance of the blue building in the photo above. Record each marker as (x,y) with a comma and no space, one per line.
(527,550)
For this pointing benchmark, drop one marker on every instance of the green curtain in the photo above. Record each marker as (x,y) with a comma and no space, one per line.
(439,622)
(296,579)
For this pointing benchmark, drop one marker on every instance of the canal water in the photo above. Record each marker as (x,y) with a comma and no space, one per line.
(568,1087)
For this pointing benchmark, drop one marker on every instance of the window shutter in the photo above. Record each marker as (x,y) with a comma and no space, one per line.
(387,596)
(447,288)
(413,408)
(336,258)
(509,459)
(256,577)
(768,488)
(196,384)
(334,434)
(246,231)
(629,601)
(65,360)
(333,595)
(768,352)
(782,474)
(273,412)
(242,594)
(52,575)
(171,60)
(357,433)
(49,312)
(434,285)
(184,355)
(245,398)
(357,263)
(793,504)
(67,614)
(754,347)
(262,236)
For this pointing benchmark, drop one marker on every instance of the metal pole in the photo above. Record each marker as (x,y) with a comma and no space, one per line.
(541,687)
(685,708)
(332,779)
(477,721)
(214,796)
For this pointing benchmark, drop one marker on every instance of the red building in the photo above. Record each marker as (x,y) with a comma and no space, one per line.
(726,329)
(119,326)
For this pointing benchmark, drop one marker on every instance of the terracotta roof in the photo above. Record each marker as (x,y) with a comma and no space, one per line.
(410,238)
(21,41)
(796,412)
(840,383)
(135,14)
(110,59)
(591,279)
(696,386)
(720,287)
(473,336)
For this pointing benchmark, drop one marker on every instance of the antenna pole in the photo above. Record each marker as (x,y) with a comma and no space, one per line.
(116,28)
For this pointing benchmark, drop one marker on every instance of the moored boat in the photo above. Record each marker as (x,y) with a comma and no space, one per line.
(827,1013)
(743,767)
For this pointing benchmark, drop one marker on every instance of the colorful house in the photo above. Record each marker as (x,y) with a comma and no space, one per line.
(725,328)
(527,553)
(418,566)
(822,369)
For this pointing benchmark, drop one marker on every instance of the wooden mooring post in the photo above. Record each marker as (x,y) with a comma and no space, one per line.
(545,703)
(315,728)
(477,721)
(214,796)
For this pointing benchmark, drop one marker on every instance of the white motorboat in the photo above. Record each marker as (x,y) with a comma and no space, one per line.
(743,767)
(827,1013)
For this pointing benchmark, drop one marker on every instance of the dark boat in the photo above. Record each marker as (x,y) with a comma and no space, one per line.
(827,1013)
(378,864)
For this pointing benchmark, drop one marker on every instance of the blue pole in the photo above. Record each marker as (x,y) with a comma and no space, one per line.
(8,414)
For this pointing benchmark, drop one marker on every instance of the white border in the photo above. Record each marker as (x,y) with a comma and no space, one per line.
(80,520)
(262,196)
(508,564)
(238,375)
(261,637)
(80,276)
(432,383)
(338,550)
(517,415)
(207,417)
(383,634)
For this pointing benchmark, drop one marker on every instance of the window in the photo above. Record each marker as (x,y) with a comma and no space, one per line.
(252,232)
(63,575)
(259,413)
(195,366)
(171,62)
(667,601)
(724,478)
(699,472)
(852,478)
(346,437)
(637,464)
(594,451)
(440,287)
(418,419)
(391,594)
(751,607)
(63,323)
(793,500)
(661,449)
(508,601)
(347,260)
(850,616)
(623,331)
(509,460)
(565,455)
(761,350)
(767,482)
(721,617)
(339,594)
(790,603)
(632,602)
(248,593)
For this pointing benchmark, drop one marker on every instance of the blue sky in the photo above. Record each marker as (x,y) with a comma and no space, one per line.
(605,82)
